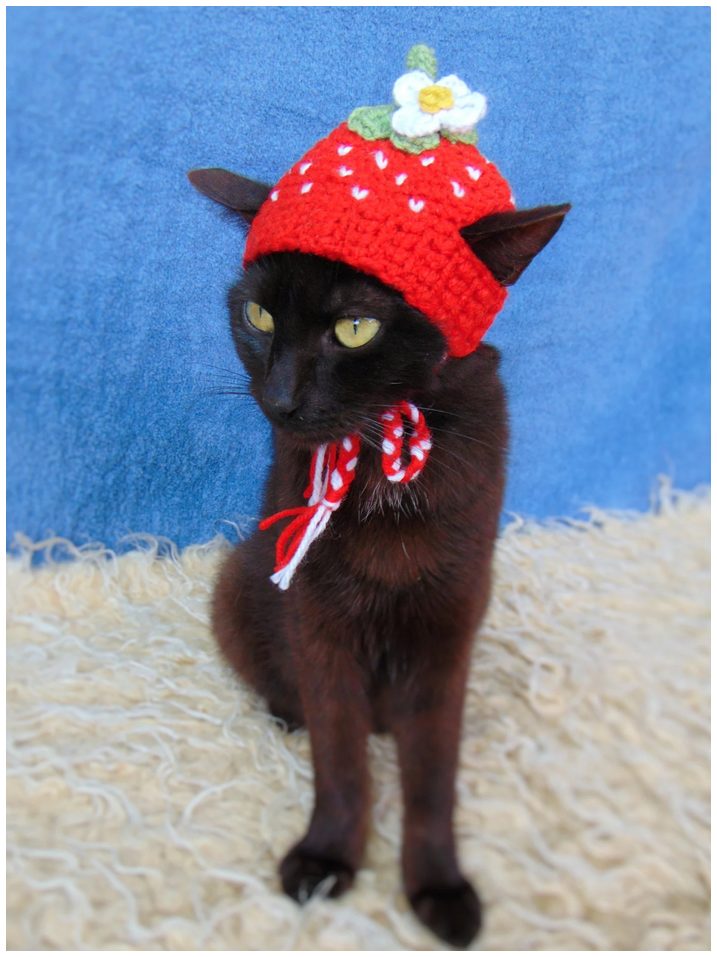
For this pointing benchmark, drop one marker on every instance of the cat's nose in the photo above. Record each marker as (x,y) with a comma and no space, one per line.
(282,404)
(280,397)
(281,386)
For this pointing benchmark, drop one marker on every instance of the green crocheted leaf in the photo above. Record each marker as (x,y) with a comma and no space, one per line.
(468,136)
(372,122)
(417,144)
(421,57)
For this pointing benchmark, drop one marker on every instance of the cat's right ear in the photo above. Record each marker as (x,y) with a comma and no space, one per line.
(241,195)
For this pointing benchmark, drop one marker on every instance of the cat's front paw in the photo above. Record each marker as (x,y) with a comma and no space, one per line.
(303,874)
(452,913)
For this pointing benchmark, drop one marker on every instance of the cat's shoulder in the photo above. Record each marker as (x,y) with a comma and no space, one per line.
(484,363)
(481,382)
(488,355)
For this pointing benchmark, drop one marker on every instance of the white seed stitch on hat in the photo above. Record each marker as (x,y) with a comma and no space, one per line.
(345,171)
(306,187)
(388,447)
(457,189)
(303,168)
(381,159)
(274,195)
(474,173)
(344,150)
(336,480)
(427,160)
(401,179)
(351,464)
(359,193)
(416,204)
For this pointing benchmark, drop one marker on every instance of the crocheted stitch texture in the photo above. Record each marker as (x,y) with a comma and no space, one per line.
(397,217)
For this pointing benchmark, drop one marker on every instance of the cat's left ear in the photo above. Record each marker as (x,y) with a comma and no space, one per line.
(241,195)
(508,242)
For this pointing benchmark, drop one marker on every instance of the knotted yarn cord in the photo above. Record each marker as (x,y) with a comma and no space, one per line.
(332,470)
(419,443)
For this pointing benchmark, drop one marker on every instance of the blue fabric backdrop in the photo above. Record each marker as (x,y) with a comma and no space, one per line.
(117,270)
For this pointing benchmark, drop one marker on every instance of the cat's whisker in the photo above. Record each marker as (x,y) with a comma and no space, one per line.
(372,433)
(461,435)
(235,392)
(449,431)
(224,381)
(372,427)
(224,384)
(236,373)
(235,369)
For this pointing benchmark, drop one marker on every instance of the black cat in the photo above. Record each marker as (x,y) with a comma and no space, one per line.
(376,631)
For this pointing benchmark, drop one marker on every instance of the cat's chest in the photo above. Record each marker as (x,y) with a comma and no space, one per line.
(387,553)
(387,534)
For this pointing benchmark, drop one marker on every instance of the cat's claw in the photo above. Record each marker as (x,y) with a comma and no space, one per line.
(303,875)
(452,913)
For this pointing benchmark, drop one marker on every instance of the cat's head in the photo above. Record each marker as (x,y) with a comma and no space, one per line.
(329,347)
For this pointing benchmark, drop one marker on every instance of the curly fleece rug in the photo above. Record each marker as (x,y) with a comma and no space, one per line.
(150,797)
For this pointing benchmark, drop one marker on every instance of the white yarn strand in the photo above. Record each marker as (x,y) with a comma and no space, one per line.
(318,523)
(319,481)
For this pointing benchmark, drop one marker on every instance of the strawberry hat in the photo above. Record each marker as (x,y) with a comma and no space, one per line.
(388,193)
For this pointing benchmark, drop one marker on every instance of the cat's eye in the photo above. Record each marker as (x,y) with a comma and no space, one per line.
(355,332)
(258,317)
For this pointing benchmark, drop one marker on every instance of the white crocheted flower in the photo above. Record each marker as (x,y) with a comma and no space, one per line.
(427,106)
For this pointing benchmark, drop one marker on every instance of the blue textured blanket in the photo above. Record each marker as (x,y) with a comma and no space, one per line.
(117,270)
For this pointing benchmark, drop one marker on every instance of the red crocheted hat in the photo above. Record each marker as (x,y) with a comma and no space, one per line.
(388,193)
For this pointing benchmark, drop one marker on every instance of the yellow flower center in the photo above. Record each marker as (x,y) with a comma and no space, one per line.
(433,98)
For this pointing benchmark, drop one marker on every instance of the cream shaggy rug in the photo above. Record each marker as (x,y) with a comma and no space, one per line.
(150,797)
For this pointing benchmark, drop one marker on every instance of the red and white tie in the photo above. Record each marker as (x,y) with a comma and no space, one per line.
(332,470)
